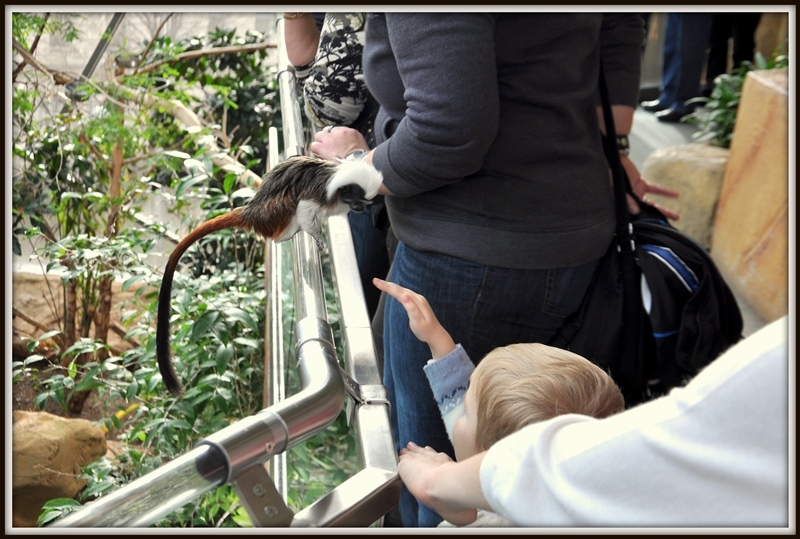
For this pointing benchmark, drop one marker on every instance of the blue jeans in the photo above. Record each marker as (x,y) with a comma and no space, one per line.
(685,42)
(372,258)
(482,307)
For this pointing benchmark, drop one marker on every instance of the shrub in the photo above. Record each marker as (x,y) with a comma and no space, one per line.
(717,117)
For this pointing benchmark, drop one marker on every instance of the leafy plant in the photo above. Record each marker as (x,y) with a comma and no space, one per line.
(717,117)
(81,176)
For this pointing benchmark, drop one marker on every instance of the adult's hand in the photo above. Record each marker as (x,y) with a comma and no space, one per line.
(438,482)
(334,143)
(641,188)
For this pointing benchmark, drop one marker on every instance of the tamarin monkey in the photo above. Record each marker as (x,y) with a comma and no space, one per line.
(295,195)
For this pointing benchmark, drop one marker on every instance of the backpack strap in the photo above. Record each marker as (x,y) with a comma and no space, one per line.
(624,230)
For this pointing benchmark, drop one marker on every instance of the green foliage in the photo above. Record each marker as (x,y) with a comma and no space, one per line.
(26,25)
(63,204)
(57,508)
(717,117)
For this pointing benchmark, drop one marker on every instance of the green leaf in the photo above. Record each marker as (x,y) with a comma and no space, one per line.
(57,508)
(242,316)
(130,282)
(32,359)
(224,353)
(230,179)
(206,320)
(178,424)
(186,184)
(225,393)
(87,383)
(250,343)
(179,155)
(40,400)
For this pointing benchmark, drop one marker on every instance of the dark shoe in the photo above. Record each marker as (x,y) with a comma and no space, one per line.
(654,106)
(674,114)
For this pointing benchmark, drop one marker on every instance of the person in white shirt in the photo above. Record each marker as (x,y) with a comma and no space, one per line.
(714,453)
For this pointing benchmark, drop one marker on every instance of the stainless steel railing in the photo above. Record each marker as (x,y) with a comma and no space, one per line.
(237,454)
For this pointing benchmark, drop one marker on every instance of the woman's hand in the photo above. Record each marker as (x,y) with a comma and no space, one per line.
(334,143)
(642,188)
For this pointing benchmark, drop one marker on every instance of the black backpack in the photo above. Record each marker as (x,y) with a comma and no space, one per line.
(658,309)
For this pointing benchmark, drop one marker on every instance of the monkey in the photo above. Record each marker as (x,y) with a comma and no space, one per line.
(295,195)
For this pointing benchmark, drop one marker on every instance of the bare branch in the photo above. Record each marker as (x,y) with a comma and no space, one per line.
(120,330)
(58,77)
(22,64)
(214,51)
(30,320)
(190,119)
(155,36)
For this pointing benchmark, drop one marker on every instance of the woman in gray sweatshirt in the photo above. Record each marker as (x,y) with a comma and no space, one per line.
(498,188)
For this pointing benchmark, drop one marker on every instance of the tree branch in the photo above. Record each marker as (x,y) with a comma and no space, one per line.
(152,41)
(175,107)
(59,77)
(214,51)
(23,63)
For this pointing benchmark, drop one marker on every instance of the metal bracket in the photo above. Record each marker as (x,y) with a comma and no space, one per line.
(261,499)
(361,395)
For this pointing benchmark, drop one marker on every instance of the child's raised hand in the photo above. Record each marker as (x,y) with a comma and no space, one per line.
(421,320)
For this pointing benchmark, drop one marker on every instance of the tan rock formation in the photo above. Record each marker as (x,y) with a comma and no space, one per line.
(696,171)
(751,232)
(47,454)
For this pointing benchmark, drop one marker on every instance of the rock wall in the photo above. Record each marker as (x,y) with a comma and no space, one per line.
(751,227)
(48,452)
(696,171)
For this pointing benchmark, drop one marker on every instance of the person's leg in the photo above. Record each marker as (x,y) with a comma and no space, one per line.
(717,49)
(446,285)
(693,42)
(744,37)
(670,68)
(372,259)
(695,29)
(516,306)
(670,71)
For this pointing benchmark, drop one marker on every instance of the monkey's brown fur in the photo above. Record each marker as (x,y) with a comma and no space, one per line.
(299,183)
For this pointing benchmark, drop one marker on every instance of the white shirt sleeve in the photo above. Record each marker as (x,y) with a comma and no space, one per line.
(714,453)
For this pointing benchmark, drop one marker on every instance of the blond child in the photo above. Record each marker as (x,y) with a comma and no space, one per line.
(513,386)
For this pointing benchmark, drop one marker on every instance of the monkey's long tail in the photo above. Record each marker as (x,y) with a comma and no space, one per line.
(163,349)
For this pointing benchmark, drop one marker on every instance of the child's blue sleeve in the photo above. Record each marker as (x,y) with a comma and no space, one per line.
(449,380)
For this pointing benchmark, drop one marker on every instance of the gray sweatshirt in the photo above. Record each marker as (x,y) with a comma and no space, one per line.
(488,132)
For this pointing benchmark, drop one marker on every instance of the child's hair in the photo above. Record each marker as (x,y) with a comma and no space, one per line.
(521,384)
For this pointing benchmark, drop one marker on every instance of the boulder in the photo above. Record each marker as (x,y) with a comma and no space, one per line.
(696,171)
(752,229)
(48,452)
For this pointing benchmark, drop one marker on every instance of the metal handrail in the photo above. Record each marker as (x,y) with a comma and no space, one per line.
(238,453)
(372,492)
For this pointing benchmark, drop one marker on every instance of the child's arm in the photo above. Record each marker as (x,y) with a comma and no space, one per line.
(421,320)
(449,371)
